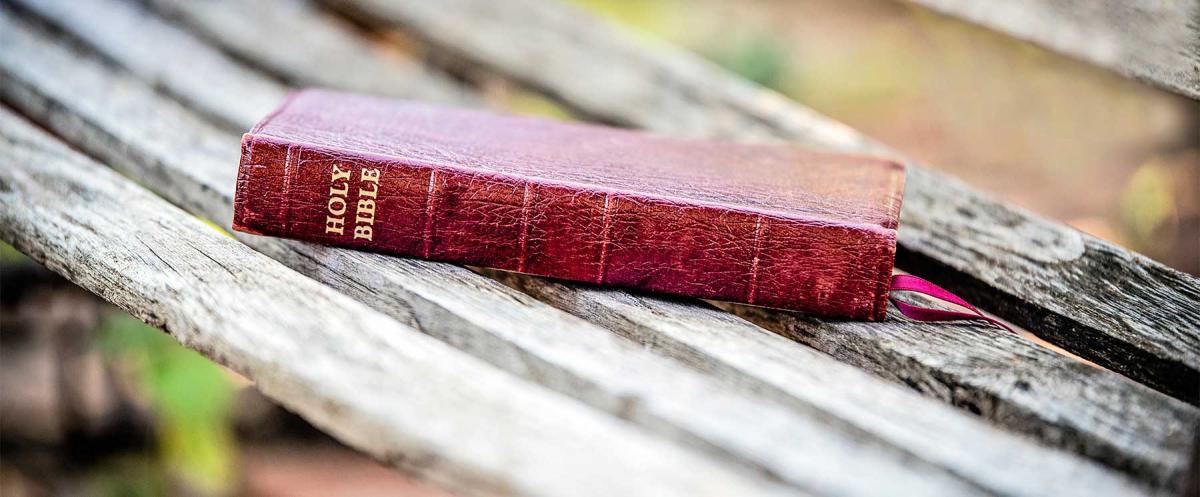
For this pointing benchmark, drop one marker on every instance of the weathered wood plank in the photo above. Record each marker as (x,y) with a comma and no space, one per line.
(190,79)
(1039,274)
(375,383)
(1028,389)
(1092,416)
(430,285)
(1085,447)
(307,47)
(1151,40)
(808,447)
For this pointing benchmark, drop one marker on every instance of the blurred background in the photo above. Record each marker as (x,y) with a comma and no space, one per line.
(1083,145)
(96,403)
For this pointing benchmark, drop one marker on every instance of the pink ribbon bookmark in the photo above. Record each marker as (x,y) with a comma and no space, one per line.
(910,283)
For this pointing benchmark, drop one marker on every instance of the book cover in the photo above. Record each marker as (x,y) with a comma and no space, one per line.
(762,224)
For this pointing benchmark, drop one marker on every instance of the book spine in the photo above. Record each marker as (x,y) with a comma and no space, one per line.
(454,214)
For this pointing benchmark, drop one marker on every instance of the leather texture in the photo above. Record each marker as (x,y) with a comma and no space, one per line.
(770,225)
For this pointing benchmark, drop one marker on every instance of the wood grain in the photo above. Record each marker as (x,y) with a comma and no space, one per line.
(982,370)
(440,298)
(1039,274)
(190,79)
(1032,420)
(808,447)
(307,47)
(431,410)
(1154,41)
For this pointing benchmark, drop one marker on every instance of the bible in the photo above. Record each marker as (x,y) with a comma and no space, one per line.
(763,224)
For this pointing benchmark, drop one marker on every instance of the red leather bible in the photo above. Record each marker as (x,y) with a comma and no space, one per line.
(768,225)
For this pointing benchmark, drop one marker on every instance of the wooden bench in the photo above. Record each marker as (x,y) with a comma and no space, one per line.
(504,384)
